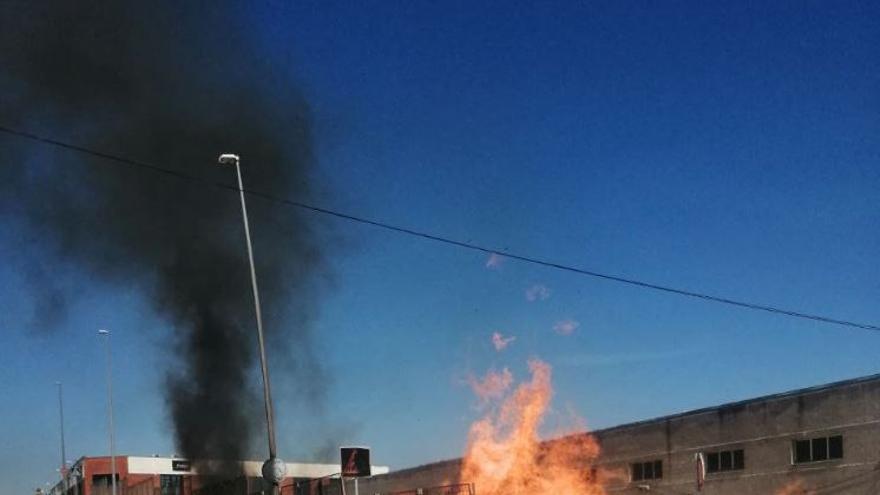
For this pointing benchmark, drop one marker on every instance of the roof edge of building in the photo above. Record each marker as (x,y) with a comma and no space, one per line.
(693,412)
(741,403)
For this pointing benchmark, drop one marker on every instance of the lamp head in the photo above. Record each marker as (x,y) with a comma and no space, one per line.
(228,159)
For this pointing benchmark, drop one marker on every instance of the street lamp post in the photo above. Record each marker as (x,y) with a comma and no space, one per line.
(106,335)
(63,471)
(274,468)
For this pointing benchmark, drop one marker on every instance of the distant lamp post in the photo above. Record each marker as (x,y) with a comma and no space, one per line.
(63,471)
(274,469)
(106,335)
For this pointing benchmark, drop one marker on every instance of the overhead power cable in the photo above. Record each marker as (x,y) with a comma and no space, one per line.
(442,239)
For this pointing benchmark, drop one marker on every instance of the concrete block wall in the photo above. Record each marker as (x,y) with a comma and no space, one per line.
(764,428)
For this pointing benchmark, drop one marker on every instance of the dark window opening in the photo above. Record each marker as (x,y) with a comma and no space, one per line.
(728,460)
(739,459)
(171,484)
(103,479)
(835,447)
(802,451)
(818,449)
(652,470)
(712,462)
(637,472)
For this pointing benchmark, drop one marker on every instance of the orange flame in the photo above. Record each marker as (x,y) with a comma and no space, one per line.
(506,456)
(492,386)
(794,488)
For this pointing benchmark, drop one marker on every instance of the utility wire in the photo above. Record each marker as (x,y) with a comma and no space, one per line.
(442,239)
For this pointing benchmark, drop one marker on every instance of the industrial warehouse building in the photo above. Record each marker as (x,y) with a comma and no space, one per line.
(175,476)
(818,440)
(824,439)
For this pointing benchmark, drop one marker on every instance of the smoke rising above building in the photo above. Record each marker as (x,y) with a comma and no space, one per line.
(174,84)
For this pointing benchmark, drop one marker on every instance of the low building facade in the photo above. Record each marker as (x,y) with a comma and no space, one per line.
(824,439)
(819,440)
(136,475)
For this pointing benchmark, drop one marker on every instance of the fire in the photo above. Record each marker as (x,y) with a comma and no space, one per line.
(794,488)
(506,456)
(492,386)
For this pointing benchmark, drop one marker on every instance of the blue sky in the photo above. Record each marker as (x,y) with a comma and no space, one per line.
(724,149)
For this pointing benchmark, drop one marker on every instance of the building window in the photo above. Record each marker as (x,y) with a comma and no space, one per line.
(817,449)
(170,484)
(104,479)
(651,470)
(727,460)
(835,447)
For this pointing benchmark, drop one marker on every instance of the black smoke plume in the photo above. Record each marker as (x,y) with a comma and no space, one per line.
(175,84)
